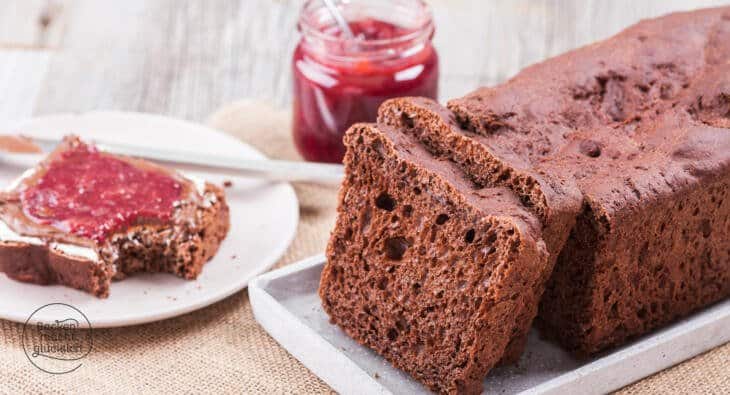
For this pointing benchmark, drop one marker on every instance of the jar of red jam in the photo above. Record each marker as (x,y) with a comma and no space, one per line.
(339,80)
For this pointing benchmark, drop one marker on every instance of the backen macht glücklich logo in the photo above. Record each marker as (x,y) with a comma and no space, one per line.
(56,338)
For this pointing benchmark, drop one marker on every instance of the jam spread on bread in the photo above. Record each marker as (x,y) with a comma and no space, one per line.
(91,194)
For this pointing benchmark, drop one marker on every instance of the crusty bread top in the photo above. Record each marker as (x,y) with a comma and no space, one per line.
(630,119)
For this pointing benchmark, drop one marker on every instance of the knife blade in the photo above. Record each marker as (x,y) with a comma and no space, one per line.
(274,170)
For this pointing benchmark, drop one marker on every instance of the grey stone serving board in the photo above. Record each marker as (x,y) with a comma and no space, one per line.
(286,304)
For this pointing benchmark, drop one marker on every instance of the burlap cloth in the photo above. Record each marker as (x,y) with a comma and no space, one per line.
(222,349)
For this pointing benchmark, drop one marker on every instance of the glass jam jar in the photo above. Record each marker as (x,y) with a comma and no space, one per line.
(340,81)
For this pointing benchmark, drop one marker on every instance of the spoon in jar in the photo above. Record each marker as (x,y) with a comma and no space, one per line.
(339,19)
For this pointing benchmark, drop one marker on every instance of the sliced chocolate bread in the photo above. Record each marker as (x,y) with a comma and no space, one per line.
(426,267)
(617,155)
(83,217)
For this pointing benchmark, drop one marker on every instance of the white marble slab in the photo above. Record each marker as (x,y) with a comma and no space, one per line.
(286,304)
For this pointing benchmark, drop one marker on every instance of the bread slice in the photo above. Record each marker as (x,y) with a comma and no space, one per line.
(553,199)
(426,267)
(86,250)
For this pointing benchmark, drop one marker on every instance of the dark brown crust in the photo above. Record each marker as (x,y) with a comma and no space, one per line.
(40,264)
(443,307)
(199,224)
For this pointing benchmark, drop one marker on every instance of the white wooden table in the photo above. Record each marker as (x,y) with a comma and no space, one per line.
(187,58)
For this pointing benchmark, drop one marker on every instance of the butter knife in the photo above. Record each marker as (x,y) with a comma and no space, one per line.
(274,170)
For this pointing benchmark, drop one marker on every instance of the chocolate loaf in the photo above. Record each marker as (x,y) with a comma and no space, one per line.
(619,152)
(639,122)
(41,253)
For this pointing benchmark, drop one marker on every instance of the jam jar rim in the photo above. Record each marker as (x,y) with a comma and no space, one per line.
(421,33)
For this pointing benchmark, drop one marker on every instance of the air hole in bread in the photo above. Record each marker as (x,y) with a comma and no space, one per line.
(441,219)
(395,247)
(469,237)
(590,148)
(407,121)
(385,202)
(378,147)
(505,175)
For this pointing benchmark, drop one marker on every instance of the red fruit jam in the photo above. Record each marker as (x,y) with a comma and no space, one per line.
(90,194)
(339,82)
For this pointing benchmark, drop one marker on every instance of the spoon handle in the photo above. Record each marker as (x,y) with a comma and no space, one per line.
(339,18)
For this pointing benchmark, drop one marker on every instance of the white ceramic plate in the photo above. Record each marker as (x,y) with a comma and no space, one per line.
(264,218)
